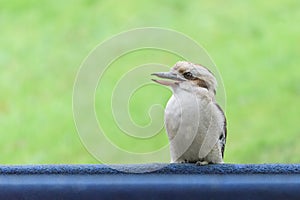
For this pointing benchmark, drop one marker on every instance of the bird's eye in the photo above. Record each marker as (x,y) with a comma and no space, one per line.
(188,75)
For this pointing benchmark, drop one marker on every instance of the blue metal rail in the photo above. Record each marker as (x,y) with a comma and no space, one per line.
(174,181)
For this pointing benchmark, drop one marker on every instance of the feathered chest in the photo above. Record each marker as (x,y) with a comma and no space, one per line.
(187,113)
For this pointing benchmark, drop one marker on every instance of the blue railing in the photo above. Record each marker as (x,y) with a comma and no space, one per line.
(174,181)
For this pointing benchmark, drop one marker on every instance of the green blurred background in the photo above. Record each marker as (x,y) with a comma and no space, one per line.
(255,45)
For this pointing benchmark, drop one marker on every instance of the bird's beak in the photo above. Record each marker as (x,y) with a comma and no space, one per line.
(167,75)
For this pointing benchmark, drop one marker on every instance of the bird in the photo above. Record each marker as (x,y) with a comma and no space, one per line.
(196,125)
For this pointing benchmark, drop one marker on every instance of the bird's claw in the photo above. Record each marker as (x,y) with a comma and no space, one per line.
(202,163)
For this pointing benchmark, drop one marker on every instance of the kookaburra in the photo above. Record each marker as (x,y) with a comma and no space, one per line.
(195,123)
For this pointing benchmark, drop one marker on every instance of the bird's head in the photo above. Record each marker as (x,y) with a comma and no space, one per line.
(188,76)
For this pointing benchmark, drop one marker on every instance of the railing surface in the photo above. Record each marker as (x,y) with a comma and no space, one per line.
(170,181)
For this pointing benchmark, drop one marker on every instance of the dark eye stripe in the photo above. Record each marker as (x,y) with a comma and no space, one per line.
(202,83)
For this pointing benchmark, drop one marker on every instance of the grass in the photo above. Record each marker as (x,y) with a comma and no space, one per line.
(254,44)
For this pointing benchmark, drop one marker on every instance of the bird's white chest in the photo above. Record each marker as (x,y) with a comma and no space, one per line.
(186,112)
(187,119)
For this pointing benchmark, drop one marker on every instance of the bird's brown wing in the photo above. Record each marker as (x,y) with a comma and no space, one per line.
(214,130)
(223,135)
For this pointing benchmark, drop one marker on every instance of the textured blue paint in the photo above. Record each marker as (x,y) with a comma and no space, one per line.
(174,181)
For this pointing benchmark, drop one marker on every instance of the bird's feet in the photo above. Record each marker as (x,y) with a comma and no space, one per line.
(184,161)
(202,163)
